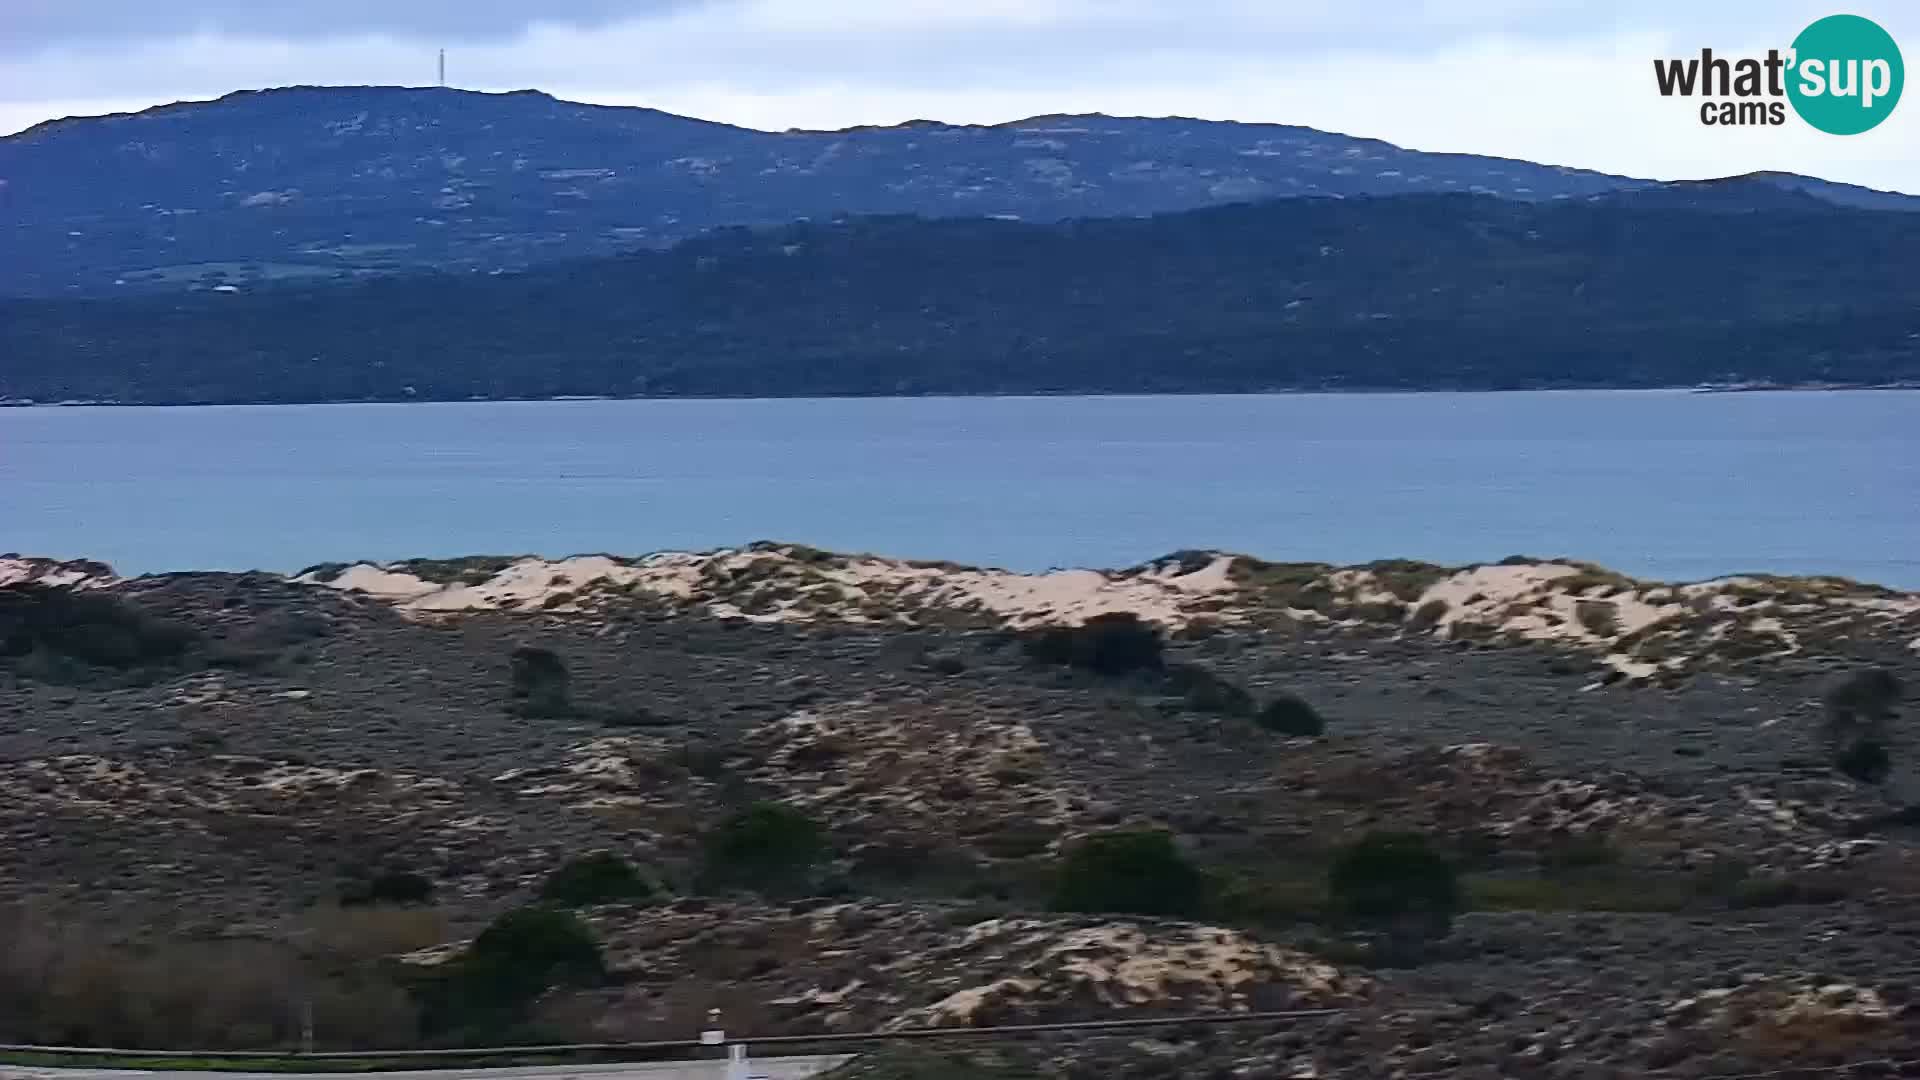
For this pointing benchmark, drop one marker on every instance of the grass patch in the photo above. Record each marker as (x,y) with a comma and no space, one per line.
(1292,585)
(1592,886)
(1594,577)
(1407,579)
(1600,617)
(1586,892)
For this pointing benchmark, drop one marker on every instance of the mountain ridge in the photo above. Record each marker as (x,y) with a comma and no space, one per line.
(340,182)
(1412,292)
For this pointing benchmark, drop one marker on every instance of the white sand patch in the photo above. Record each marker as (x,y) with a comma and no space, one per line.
(817,998)
(960,1007)
(1641,630)
(1363,585)
(25,570)
(380,583)
(1537,602)
(1059,596)
(529,582)
(843,588)
(1533,601)
(1485,589)
(1125,965)
(1215,577)
(833,759)
(295,780)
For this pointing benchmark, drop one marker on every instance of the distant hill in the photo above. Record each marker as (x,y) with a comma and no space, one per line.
(330,182)
(1710,283)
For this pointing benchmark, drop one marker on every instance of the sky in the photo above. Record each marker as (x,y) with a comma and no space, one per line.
(1567,82)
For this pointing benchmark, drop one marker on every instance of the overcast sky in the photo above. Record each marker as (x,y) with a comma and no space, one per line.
(1561,81)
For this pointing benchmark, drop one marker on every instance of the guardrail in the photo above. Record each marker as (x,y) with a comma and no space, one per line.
(670,1045)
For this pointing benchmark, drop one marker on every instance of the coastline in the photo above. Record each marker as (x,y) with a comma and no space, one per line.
(1306,391)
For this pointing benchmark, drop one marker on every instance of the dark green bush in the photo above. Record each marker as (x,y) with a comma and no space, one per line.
(540,683)
(597,878)
(767,846)
(1865,761)
(521,955)
(86,626)
(1133,872)
(1116,643)
(395,887)
(945,664)
(1203,691)
(1386,875)
(1289,714)
(1017,839)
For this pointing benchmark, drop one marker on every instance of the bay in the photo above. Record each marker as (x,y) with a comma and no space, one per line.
(1660,484)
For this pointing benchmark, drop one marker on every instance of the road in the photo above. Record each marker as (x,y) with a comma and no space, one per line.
(787,1068)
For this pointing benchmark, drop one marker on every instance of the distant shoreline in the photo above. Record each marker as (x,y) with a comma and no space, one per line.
(1271,392)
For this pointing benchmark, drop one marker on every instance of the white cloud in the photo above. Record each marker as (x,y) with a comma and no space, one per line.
(1551,81)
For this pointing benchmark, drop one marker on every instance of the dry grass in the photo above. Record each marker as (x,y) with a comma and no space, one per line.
(64,984)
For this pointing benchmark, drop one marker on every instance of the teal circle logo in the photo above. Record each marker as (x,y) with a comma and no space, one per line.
(1846,74)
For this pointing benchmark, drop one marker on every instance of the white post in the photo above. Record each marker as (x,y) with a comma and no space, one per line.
(737,1061)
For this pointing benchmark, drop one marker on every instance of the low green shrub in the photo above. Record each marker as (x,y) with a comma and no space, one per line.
(396,887)
(1115,643)
(1201,690)
(490,987)
(540,683)
(600,877)
(1131,872)
(64,626)
(1865,761)
(1386,875)
(1289,714)
(519,956)
(1600,617)
(768,846)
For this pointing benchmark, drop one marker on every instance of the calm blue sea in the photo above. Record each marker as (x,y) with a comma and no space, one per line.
(1660,484)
